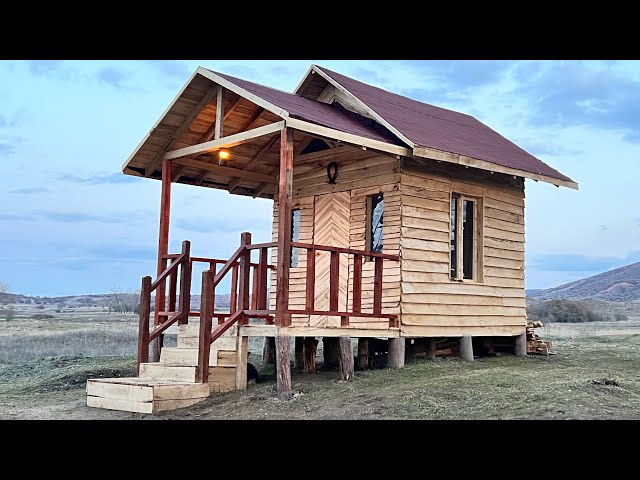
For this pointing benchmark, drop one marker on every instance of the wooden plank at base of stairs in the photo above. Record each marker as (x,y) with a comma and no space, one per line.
(226,358)
(120,391)
(223,343)
(185,356)
(180,391)
(157,371)
(222,379)
(193,330)
(116,404)
(163,405)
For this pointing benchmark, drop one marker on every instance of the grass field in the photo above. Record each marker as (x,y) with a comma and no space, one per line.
(595,375)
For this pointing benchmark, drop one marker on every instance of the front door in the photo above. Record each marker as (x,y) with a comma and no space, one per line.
(331,227)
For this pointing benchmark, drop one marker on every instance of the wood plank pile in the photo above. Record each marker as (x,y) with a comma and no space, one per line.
(535,345)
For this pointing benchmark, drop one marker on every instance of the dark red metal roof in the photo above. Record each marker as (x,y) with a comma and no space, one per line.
(434,127)
(317,112)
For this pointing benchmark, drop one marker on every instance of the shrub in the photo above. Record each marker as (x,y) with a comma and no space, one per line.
(41,316)
(563,311)
(40,307)
(620,317)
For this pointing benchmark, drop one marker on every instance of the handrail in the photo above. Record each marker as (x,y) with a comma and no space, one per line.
(364,253)
(227,266)
(168,271)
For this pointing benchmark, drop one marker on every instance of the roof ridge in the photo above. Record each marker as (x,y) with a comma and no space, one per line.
(250,81)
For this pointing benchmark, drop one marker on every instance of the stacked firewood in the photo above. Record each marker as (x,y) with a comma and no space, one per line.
(535,345)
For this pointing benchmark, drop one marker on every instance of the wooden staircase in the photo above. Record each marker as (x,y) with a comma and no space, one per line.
(171,383)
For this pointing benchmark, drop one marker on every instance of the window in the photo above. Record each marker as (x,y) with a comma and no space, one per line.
(466,249)
(295,235)
(374,227)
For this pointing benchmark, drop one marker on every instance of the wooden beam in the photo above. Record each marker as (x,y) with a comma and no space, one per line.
(346,137)
(253,162)
(227,171)
(285,195)
(208,135)
(219,114)
(346,358)
(225,142)
(304,331)
(180,130)
(253,119)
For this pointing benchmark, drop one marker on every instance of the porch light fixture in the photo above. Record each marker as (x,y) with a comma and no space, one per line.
(223,155)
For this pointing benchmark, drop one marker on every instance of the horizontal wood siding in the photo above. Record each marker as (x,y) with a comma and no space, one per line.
(362,173)
(432,304)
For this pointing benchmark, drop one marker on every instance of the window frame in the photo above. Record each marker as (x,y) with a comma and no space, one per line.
(478,238)
(368,231)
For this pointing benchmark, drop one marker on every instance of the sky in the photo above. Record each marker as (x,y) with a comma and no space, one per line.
(72,223)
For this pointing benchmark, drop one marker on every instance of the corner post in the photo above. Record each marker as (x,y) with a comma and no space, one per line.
(163,249)
(285,195)
(143,326)
(466,348)
(396,352)
(244,275)
(520,349)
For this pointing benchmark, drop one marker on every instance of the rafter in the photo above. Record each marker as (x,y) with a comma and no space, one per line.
(253,162)
(181,129)
(228,171)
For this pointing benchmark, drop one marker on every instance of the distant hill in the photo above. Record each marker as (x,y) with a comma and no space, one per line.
(619,285)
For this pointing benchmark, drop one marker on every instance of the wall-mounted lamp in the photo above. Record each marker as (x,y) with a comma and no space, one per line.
(223,156)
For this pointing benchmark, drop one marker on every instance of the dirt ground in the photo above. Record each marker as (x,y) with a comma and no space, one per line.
(595,375)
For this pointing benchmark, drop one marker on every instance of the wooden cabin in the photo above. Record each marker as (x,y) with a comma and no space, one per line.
(392,219)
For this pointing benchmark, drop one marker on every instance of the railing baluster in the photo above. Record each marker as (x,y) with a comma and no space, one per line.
(311,279)
(173,286)
(262,279)
(244,275)
(377,287)
(233,301)
(254,287)
(334,281)
(185,284)
(206,313)
(143,327)
(357,284)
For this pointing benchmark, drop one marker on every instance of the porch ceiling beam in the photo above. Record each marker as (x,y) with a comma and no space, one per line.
(208,135)
(347,137)
(225,142)
(253,119)
(253,162)
(227,171)
(181,129)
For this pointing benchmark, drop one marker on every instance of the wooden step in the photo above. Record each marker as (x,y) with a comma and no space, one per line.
(167,371)
(144,396)
(189,356)
(222,343)
(193,330)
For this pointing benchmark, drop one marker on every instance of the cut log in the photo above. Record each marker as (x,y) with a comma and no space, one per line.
(466,348)
(432,348)
(396,353)
(520,347)
(283,367)
(310,347)
(363,353)
(299,353)
(346,358)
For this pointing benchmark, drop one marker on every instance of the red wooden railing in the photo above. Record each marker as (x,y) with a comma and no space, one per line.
(170,274)
(249,293)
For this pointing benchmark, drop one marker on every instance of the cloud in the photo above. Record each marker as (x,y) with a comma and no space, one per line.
(603,228)
(81,217)
(44,67)
(30,190)
(546,147)
(241,71)
(581,263)
(563,94)
(174,70)
(7,149)
(113,76)
(461,74)
(15,217)
(110,178)
(223,225)
(4,122)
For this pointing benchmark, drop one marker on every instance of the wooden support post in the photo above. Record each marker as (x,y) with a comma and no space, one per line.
(346,358)
(310,289)
(396,350)
(219,113)
(357,283)
(163,247)
(299,353)
(363,353)
(269,351)
(330,352)
(173,287)
(143,326)
(185,285)
(283,367)
(466,348)
(334,281)
(233,301)
(206,313)
(432,348)
(377,287)
(285,194)
(254,289)
(520,347)
(242,358)
(310,348)
(244,275)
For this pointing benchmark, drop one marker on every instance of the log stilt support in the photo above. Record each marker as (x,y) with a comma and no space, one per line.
(432,348)
(299,353)
(310,347)
(396,353)
(269,351)
(283,368)
(520,347)
(363,353)
(346,358)
(466,348)
(330,352)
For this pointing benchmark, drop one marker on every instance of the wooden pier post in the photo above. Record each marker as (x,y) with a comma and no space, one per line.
(396,353)
(346,358)
(466,348)
(310,348)
(363,353)
(520,347)
(283,368)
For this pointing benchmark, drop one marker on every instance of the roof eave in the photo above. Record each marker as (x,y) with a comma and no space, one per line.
(440,155)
